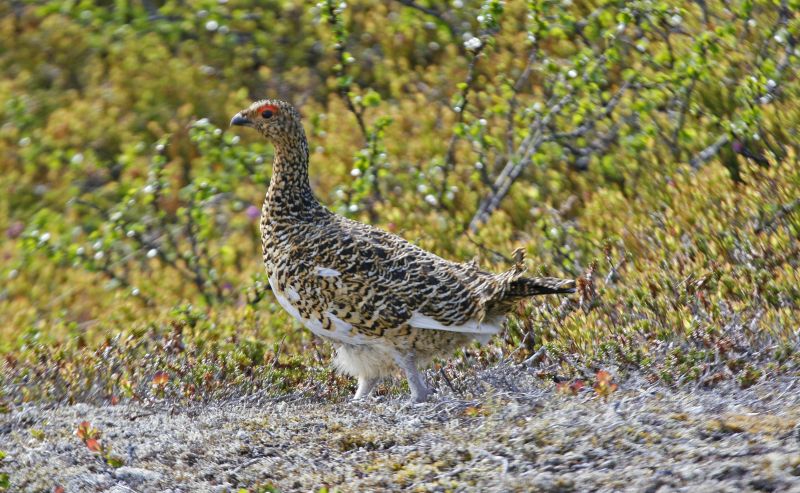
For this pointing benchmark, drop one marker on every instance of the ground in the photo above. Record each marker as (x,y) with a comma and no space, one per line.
(514,433)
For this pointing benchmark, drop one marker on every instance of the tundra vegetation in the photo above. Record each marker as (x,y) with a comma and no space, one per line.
(649,149)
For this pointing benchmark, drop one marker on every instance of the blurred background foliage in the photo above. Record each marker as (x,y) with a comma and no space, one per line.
(648,147)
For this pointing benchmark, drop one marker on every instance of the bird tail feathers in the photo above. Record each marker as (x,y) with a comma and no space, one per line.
(532,286)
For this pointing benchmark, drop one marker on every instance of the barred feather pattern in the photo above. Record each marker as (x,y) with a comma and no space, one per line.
(372,293)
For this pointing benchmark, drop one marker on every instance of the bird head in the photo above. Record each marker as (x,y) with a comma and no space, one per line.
(274,119)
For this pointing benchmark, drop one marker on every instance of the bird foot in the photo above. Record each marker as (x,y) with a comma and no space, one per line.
(420,395)
(416,382)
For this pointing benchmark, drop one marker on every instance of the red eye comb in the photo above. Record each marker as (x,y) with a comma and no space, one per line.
(270,107)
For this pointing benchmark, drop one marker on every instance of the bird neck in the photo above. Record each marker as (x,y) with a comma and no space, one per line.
(289,190)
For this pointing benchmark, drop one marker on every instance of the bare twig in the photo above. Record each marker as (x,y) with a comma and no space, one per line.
(709,152)
(450,158)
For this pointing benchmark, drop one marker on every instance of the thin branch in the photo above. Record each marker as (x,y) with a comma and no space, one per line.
(344,90)
(709,152)
(450,159)
(536,137)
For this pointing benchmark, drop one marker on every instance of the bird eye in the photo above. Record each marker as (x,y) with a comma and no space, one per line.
(266,114)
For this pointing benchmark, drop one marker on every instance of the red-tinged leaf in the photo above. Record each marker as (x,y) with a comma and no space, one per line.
(576,386)
(160,379)
(93,444)
(83,430)
(562,388)
(603,376)
(58,489)
(114,400)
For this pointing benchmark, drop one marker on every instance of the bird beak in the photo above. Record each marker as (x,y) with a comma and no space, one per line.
(241,121)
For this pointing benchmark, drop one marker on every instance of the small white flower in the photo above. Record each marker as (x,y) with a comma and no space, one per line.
(473,43)
(756,137)
(537,107)
(149,189)
(778,39)
(482,122)
(355,172)
(116,216)
(479,165)
(481,18)
(620,27)
(752,22)
(771,84)
(217,131)
(675,20)
(764,99)
(430,199)
(235,139)
(212,25)
(422,188)
(77,159)
(99,255)
(450,195)
(80,251)
(44,237)
(97,245)
(135,291)
(160,147)
(131,233)
(152,253)
(224,29)
(353,208)
(340,194)
(572,73)
(457,4)
(24,141)
(202,121)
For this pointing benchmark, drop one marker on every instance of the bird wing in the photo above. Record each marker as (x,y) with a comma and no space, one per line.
(377,282)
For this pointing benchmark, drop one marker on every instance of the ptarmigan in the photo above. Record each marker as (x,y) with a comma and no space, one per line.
(382,301)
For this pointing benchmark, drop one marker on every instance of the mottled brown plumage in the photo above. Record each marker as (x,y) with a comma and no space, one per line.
(381,300)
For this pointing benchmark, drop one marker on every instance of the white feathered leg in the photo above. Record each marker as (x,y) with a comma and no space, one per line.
(416,382)
(365,386)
